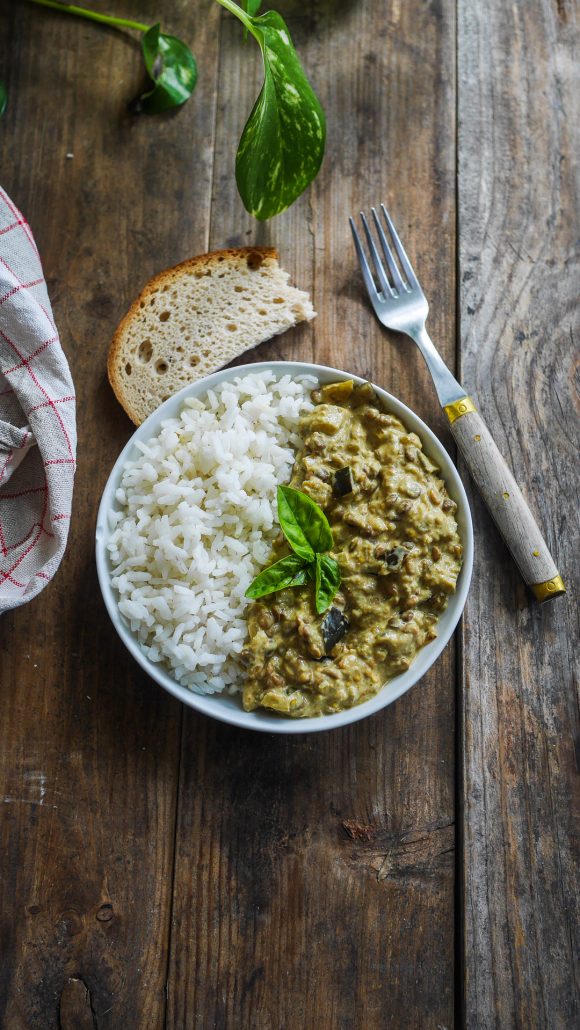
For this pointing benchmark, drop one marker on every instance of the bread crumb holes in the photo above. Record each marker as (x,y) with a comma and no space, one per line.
(145,352)
(254,260)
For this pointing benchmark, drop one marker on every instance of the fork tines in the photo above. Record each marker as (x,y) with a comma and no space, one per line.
(393,281)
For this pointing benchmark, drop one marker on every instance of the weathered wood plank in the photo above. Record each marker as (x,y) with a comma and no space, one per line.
(314,877)
(518,213)
(89,747)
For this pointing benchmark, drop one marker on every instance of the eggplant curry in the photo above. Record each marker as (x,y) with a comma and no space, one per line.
(398,549)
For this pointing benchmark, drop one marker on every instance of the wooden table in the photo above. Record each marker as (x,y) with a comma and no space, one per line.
(416,869)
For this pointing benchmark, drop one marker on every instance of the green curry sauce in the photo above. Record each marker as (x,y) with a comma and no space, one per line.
(399,553)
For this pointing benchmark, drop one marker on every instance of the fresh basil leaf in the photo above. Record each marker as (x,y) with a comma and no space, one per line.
(172,67)
(327,581)
(3,98)
(288,572)
(303,523)
(282,144)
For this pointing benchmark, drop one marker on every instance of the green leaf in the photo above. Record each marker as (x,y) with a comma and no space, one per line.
(171,65)
(3,98)
(251,7)
(288,572)
(282,144)
(327,581)
(303,523)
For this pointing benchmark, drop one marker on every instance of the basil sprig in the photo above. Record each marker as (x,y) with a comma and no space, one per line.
(306,529)
(288,572)
(303,523)
(327,581)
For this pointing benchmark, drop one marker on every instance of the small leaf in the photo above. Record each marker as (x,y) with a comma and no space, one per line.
(3,98)
(172,67)
(282,144)
(288,572)
(303,523)
(327,581)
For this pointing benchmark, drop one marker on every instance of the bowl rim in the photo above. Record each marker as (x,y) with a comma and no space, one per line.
(218,706)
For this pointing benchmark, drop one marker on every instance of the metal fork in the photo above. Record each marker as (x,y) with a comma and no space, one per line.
(400,304)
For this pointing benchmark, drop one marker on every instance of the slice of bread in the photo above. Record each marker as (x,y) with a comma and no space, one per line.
(195,318)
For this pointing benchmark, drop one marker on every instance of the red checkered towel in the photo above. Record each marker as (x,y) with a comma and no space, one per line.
(37,420)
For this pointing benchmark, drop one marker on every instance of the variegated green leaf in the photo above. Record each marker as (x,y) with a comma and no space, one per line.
(282,144)
(172,67)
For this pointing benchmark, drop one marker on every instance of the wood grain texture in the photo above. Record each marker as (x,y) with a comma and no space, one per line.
(160,869)
(518,211)
(89,747)
(314,881)
(505,501)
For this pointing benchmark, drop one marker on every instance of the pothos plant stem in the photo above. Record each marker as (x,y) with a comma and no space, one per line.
(282,144)
(236,10)
(81,12)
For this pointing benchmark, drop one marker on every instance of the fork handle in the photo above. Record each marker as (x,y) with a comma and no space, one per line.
(504,499)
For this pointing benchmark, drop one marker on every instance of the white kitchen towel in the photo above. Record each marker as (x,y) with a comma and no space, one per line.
(37,420)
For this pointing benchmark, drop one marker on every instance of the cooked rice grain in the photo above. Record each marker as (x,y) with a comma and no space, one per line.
(195,520)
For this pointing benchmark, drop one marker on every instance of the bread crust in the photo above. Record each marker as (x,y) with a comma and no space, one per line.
(167,276)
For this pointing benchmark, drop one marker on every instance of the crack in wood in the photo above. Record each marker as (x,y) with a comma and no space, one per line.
(75,1011)
(399,854)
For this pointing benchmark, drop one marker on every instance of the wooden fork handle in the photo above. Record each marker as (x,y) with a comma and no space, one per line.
(504,499)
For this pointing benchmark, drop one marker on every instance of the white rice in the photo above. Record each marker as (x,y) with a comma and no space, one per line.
(195,522)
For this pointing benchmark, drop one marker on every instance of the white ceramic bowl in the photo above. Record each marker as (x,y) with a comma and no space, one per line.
(228,708)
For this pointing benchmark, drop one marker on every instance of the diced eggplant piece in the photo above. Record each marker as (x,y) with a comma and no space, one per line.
(363,394)
(320,492)
(396,557)
(334,627)
(337,393)
(343,484)
(427,464)
(326,418)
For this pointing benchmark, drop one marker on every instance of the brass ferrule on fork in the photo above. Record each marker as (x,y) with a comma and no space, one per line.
(459,408)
